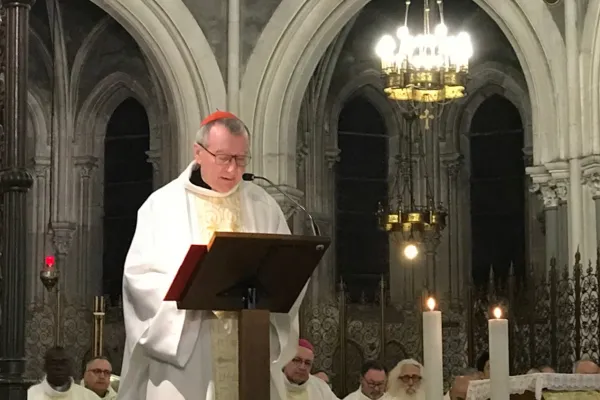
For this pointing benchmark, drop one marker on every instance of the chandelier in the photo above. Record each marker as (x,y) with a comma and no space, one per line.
(430,67)
(412,216)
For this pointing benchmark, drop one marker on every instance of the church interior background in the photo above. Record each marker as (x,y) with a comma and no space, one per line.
(117,89)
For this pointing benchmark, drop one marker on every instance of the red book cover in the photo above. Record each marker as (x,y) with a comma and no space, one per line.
(194,256)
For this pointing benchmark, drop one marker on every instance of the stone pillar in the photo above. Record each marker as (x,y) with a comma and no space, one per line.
(39,226)
(553,194)
(15,182)
(89,282)
(62,238)
(155,159)
(593,182)
(456,273)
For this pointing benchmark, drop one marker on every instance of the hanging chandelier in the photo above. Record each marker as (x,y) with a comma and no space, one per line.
(413,216)
(430,67)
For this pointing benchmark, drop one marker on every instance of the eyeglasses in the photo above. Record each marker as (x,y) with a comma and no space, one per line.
(298,362)
(408,378)
(98,371)
(225,159)
(375,385)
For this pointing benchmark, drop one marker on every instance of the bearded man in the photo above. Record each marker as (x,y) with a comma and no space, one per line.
(405,381)
(173,354)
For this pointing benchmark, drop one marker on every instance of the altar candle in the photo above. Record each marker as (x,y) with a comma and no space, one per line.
(432,352)
(499,371)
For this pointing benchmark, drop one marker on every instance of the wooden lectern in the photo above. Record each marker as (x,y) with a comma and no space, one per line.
(255,274)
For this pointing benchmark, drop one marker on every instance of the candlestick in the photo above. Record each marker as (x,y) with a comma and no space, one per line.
(499,371)
(432,352)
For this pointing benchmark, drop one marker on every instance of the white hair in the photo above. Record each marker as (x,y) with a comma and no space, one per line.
(394,375)
(234,125)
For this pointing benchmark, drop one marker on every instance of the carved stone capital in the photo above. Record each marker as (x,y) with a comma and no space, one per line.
(332,156)
(86,165)
(154,158)
(454,164)
(302,151)
(287,206)
(551,192)
(592,180)
(41,165)
(62,237)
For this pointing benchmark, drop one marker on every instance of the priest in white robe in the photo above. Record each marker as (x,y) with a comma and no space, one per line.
(373,379)
(297,380)
(177,354)
(58,382)
(405,381)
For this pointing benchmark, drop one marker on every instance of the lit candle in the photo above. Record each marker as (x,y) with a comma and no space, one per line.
(432,352)
(49,262)
(499,371)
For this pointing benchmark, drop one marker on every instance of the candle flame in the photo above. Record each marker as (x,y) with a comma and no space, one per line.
(49,260)
(431,303)
(497,313)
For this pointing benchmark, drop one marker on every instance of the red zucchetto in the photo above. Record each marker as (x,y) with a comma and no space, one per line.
(306,344)
(217,115)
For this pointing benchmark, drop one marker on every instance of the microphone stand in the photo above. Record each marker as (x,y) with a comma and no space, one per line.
(314,227)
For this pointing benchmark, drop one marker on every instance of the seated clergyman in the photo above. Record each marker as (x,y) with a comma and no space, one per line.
(405,381)
(58,382)
(299,383)
(373,379)
(96,378)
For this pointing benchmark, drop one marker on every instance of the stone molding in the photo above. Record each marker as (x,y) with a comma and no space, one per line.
(552,192)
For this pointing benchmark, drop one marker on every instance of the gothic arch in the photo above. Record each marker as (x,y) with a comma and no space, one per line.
(368,85)
(82,55)
(178,50)
(97,109)
(295,38)
(38,117)
(488,79)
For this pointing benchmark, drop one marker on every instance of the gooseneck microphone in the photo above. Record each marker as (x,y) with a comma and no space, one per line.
(251,177)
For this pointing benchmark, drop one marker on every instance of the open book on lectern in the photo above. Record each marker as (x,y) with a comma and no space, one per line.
(237,271)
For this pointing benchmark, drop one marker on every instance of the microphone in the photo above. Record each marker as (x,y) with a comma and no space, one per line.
(251,177)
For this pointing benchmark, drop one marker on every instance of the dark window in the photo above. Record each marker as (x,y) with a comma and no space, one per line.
(497,189)
(361,183)
(127,184)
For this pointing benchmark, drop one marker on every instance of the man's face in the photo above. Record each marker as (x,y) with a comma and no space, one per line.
(298,370)
(372,384)
(97,376)
(410,378)
(586,367)
(219,167)
(58,369)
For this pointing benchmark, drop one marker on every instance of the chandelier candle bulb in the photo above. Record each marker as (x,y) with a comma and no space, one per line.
(498,343)
(432,352)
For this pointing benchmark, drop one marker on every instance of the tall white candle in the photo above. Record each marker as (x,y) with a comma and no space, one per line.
(499,370)
(432,352)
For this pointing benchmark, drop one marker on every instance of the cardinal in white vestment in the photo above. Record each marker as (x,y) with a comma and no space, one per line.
(173,354)
(58,382)
(373,378)
(299,383)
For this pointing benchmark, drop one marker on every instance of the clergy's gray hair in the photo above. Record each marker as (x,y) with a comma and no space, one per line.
(234,125)
(393,383)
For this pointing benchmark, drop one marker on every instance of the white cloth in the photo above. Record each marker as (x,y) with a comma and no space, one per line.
(168,352)
(480,389)
(110,394)
(43,391)
(316,388)
(359,395)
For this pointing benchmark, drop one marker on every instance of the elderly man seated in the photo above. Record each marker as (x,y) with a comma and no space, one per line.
(404,381)
(586,366)
(299,383)
(372,382)
(96,378)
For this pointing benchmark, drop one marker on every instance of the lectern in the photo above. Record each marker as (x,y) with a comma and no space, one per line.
(255,274)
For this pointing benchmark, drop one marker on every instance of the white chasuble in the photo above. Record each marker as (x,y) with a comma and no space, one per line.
(313,389)
(173,354)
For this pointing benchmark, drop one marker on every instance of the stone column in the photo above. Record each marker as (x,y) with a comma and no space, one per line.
(456,272)
(593,182)
(155,159)
(15,182)
(38,226)
(548,195)
(62,238)
(89,280)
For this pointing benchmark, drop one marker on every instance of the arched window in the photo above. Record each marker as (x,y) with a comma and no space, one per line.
(127,184)
(497,189)
(361,183)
